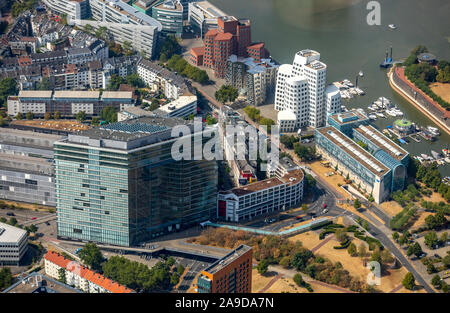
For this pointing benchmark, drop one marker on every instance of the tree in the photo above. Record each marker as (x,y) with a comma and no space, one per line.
(127,48)
(226,93)
(47,116)
(81,116)
(341,235)
(211,120)
(29,115)
(352,249)
(436,281)
(431,239)
(365,225)
(362,250)
(285,261)
(19,116)
(91,255)
(304,208)
(95,121)
(8,87)
(57,115)
(6,278)
(446,261)
(114,82)
(386,256)
(300,259)
(357,204)
(409,281)
(154,105)
(174,278)
(180,269)
(298,279)
(88,28)
(109,114)
(262,266)
(395,236)
(62,275)
(170,261)
(102,33)
(415,249)
(135,80)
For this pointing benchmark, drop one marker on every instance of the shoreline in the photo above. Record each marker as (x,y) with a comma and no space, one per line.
(416,104)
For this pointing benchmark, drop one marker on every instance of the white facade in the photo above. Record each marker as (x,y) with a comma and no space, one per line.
(13,244)
(301,89)
(247,202)
(73,8)
(181,107)
(287,121)
(333,99)
(142,38)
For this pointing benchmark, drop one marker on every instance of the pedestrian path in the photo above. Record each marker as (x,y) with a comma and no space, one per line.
(271,283)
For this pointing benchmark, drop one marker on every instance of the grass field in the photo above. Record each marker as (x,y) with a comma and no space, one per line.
(442,90)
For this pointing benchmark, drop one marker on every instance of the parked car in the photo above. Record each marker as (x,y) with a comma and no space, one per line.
(33,218)
(437,256)
(325,211)
(298,217)
(324,206)
(10,214)
(47,223)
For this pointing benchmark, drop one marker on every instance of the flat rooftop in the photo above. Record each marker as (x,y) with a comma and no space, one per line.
(348,117)
(177,104)
(380,140)
(354,150)
(289,179)
(70,94)
(35,94)
(307,53)
(29,283)
(169,5)
(227,259)
(133,129)
(209,10)
(316,65)
(10,234)
(117,95)
(64,125)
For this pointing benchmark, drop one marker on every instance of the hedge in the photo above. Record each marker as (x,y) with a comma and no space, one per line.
(325,232)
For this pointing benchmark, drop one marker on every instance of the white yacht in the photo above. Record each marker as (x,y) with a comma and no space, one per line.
(433,130)
(380,114)
(361,73)
(372,116)
(392,26)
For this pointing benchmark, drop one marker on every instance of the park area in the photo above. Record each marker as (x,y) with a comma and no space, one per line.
(442,90)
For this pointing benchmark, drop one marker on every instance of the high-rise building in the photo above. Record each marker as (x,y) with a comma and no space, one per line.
(170,14)
(78,9)
(119,184)
(230,274)
(301,89)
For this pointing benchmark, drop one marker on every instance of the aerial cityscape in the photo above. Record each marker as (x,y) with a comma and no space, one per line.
(191,147)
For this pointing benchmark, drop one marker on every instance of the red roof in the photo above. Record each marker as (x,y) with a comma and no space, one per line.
(256,46)
(198,51)
(88,274)
(211,32)
(224,36)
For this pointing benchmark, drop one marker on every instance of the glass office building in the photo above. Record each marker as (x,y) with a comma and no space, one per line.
(119,184)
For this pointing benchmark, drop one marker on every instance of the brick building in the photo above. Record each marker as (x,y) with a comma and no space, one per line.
(230,274)
(232,36)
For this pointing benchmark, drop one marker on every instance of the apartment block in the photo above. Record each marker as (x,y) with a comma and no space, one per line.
(80,276)
(170,14)
(266,196)
(203,16)
(13,244)
(230,274)
(78,9)
(69,102)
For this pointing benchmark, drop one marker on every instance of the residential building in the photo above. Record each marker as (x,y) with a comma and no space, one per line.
(230,274)
(78,9)
(170,14)
(13,244)
(203,16)
(68,102)
(281,167)
(80,276)
(378,169)
(26,166)
(287,121)
(38,283)
(196,56)
(183,106)
(133,112)
(266,196)
(301,89)
(255,79)
(172,85)
(119,184)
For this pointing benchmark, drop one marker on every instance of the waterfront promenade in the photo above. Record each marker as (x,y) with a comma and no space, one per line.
(419,99)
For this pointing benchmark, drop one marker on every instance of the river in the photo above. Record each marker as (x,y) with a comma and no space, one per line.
(347,44)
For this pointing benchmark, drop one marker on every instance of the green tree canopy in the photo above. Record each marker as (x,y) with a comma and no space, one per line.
(109,114)
(91,255)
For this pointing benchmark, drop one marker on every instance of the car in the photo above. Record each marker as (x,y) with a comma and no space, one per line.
(33,218)
(298,217)
(47,223)
(437,256)
(324,211)
(422,255)
(415,235)
(10,214)
(324,206)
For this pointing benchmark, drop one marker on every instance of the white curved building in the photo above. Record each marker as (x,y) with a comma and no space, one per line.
(332,99)
(304,93)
